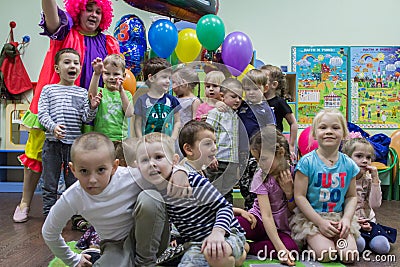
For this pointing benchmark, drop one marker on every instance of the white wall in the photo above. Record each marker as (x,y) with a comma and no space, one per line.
(273,25)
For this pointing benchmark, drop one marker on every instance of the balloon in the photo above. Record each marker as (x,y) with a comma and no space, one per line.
(189,10)
(237,52)
(129,82)
(173,59)
(26,38)
(131,35)
(163,37)
(241,76)
(306,142)
(210,31)
(188,47)
(180,25)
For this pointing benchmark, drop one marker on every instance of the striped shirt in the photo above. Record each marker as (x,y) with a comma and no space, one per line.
(195,217)
(64,105)
(226,126)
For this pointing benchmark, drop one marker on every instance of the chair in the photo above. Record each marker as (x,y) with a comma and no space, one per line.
(388,173)
(395,145)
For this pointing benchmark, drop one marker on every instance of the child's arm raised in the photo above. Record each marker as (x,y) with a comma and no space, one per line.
(51,15)
(98,68)
(326,227)
(270,228)
(375,194)
(350,205)
(127,106)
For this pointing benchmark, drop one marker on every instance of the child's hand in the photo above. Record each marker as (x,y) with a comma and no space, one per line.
(221,106)
(98,66)
(178,186)
(249,217)
(329,228)
(95,100)
(203,117)
(59,131)
(344,227)
(120,81)
(214,165)
(85,261)
(287,259)
(365,225)
(374,173)
(286,183)
(215,246)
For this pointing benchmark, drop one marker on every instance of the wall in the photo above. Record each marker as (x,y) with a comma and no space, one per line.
(273,25)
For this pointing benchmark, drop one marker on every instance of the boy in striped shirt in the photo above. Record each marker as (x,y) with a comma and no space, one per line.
(62,109)
(205,221)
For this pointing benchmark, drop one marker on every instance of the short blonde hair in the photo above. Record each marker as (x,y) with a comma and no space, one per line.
(214,77)
(350,145)
(254,77)
(332,111)
(115,60)
(232,85)
(156,137)
(92,141)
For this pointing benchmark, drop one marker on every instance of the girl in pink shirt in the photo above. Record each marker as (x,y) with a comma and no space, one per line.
(212,84)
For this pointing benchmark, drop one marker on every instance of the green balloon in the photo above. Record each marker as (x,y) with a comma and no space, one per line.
(173,59)
(210,31)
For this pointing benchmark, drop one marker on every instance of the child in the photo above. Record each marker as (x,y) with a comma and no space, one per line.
(277,87)
(212,84)
(116,104)
(157,111)
(205,221)
(255,113)
(273,185)
(131,223)
(62,109)
(226,125)
(373,235)
(184,80)
(325,192)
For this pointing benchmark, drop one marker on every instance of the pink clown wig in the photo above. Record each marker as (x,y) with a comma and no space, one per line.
(74,8)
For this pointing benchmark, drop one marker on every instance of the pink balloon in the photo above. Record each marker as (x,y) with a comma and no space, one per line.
(306,142)
(237,51)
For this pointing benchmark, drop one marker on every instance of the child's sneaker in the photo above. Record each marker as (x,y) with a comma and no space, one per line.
(94,254)
(20,215)
(79,223)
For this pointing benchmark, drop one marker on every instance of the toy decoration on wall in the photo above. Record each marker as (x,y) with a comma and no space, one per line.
(375,86)
(131,35)
(322,79)
(189,10)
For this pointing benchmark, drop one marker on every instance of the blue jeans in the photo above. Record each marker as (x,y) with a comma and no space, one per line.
(55,158)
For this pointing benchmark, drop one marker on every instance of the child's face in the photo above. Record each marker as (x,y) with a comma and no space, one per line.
(269,162)
(204,149)
(329,132)
(213,91)
(362,157)
(94,169)
(161,81)
(179,86)
(254,93)
(90,18)
(232,99)
(111,75)
(69,68)
(155,164)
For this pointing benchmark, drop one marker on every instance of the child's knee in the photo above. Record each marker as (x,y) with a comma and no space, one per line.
(380,244)
(221,262)
(360,244)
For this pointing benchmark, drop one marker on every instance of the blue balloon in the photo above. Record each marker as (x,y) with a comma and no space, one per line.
(26,38)
(258,63)
(131,35)
(180,25)
(163,37)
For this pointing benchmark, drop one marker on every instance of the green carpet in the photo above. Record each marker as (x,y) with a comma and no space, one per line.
(248,263)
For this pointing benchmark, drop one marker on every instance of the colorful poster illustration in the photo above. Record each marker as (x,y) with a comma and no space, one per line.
(321,74)
(375,86)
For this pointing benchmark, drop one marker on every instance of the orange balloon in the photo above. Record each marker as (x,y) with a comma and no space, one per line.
(129,83)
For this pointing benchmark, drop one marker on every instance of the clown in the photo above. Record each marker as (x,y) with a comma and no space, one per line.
(79,27)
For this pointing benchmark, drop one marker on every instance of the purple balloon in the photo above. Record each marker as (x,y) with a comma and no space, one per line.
(237,52)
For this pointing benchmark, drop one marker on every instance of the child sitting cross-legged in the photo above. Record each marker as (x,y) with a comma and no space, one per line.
(205,220)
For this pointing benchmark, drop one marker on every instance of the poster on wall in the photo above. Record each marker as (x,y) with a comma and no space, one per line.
(321,73)
(375,87)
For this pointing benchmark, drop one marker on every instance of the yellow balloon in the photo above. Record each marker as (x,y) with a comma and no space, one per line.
(188,47)
(241,76)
